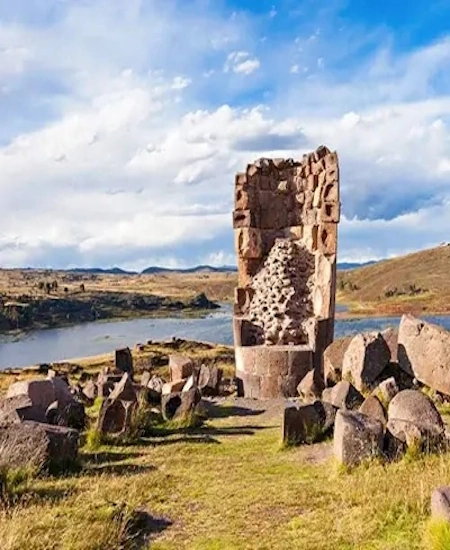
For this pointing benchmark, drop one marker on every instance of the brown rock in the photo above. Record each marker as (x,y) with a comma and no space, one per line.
(19,408)
(123,390)
(343,396)
(115,416)
(390,336)
(38,446)
(333,358)
(387,389)
(373,408)
(173,387)
(357,437)
(424,352)
(90,390)
(307,389)
(180,367)
(209,380)
(365,359)
(306,423)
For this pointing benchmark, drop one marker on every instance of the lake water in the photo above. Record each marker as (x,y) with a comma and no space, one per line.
(46,346)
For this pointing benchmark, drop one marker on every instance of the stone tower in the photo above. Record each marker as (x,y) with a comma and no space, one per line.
(285,224)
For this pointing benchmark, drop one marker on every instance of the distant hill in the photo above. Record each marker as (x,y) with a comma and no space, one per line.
(99,271)
(154,270)
(349,265)
(416,282)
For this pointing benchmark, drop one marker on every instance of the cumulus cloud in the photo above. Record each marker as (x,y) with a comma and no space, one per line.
(122,149)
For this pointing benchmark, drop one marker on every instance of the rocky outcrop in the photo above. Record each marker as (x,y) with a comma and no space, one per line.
(424,352)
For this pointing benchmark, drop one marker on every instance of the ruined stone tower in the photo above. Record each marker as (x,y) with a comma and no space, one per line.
(285,224)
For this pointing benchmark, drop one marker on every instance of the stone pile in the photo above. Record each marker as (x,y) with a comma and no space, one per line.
(374,382)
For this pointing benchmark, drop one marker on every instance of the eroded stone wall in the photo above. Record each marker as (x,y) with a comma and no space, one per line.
(285,220)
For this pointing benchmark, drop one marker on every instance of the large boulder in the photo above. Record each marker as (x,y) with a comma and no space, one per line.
(123,390)
(180,404)
(38,446)
(387,390)
(209,380)
(343,396)
(357,437)
(424,352)
(307,423)
(390,336)
(71,415)
(19,408)
(373,408)
(414,418)
(308,389)
(124,360)
(42,393)
(115,416)
(365,359)
(333,358)
(180,367)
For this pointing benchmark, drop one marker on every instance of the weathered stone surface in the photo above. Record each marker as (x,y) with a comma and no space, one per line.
(179,405)
(333,359)
(123,390)
(19,408)
(307,389)
(365,359)
(115,416)
(390,336)
(285,220)
(387,390)
(424,352)
(173,387)
(209,380)
(38,445)
(440,503)
(40,392)
(90,390)
(373,408)
(357,437)
(180,367)
(124,360)
(343,396)
(306,423)
(416,417)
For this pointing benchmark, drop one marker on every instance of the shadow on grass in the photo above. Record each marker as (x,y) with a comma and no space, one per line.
(139,527)
(106,456)
(220,411)
(118,469)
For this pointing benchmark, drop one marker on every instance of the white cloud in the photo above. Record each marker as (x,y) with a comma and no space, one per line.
(241,62)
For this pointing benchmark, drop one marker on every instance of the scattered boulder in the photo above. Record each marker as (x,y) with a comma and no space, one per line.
(19,408)
(307,389)
(387,390)
(145,379)
(154,390)
(365,359)
(343,396)
(180,367)
(333,358)
(40,392)
(209,380)
(71,415)
(180,404)
(356,437)
(123,390)
(424,352)
(115,416)
(38,446)
(307,423)
(90,390)
(413,419)
(440,503)
(124,360)
(373,408)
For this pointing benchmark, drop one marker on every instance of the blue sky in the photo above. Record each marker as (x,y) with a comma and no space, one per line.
(123,123)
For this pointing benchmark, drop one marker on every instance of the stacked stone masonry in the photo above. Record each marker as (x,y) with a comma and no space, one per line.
(285,224)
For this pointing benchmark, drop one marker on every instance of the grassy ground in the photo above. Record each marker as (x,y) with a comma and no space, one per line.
(228,486)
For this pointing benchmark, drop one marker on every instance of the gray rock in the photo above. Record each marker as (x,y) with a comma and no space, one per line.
(357,437)
(365,359)
(40,392)
(387,390)
(307,423)
(424,352)
(333,358)
(19,408)
(440,503)
(307,389)
(123,390)
(124,360)
(38,446)
(373,408)
(390,336)
(343,396)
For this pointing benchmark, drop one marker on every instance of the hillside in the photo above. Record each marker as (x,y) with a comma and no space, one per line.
(415,283)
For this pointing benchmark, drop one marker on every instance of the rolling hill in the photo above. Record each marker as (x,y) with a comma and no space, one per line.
(418,282)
